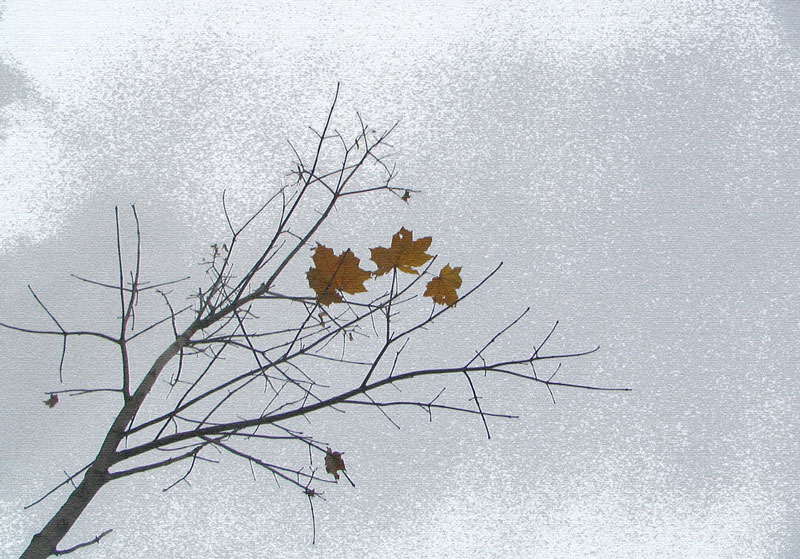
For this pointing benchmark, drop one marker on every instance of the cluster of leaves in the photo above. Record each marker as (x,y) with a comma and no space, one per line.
(332,275)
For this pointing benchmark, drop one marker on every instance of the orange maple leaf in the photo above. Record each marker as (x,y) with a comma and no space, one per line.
(334,463)
(405,254)
(333,275)
(442,288)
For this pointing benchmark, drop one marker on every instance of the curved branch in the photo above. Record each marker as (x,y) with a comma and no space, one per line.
(223,428)
(155,465)
(84,544)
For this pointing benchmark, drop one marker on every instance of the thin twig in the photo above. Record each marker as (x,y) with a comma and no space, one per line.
(84,544)
(63,333)
(57,487)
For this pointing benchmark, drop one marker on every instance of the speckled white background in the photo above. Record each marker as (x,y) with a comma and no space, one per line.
(634,164)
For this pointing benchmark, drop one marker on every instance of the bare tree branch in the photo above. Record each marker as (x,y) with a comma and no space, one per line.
(84,544)
(253,356)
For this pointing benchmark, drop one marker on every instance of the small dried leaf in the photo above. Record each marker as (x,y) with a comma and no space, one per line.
(334,463)
(51,401)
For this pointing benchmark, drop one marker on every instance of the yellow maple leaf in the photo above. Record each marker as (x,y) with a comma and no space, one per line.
(333,275)
(442,288)
(405,254)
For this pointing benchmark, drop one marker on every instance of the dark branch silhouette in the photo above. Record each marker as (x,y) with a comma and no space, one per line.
(245,354)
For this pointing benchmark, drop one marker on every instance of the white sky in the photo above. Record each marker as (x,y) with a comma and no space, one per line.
(634,164)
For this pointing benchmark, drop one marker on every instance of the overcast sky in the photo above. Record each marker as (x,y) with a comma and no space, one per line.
(633,163)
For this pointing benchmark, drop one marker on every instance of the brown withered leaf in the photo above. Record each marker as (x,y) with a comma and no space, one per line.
(51,401)
(334,463)
(442,288)
(405,254)
(333,275)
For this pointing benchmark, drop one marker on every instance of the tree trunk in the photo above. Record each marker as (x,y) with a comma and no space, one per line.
(44,543)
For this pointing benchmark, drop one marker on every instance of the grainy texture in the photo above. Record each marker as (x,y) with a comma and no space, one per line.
(634,163)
